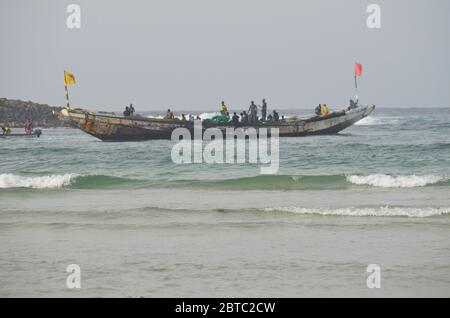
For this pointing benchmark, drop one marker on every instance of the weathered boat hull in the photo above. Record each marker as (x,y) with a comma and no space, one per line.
(108,127)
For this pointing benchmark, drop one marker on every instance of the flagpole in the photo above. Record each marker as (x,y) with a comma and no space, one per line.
(356,88)
(66,90)
(67,96)
(358,69)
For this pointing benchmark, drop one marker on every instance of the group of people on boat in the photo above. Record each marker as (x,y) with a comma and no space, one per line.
(353,103)
(129,111)
(322,110)
(244,118)
(170,115)
(250,117)
(28,126)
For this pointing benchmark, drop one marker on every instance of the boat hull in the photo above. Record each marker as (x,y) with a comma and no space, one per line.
(108,127)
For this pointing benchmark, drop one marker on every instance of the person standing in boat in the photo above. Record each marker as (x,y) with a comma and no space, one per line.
(253,110)
(131,109)
(263,110)
(223,109)
(28,126)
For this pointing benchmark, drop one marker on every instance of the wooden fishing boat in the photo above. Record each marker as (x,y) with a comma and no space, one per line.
(110,127)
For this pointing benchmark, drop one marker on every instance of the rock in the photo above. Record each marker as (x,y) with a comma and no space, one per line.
(14,112)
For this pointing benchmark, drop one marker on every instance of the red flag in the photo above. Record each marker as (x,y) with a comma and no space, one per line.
(358,69)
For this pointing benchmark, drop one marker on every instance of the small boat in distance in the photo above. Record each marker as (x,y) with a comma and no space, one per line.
(35,133)
(110,127)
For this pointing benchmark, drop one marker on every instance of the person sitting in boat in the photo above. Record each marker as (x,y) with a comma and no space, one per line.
(318,110)
(191,117)
(223,108)
(183,117)
(325,110)
(276,116)
(235,119)
(169,114)
(126,112)
(131,109)
(270,118)
(6,130)
(353,104)
(253,110)
(244,118)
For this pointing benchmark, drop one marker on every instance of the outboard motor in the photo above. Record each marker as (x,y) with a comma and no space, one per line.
(38,132)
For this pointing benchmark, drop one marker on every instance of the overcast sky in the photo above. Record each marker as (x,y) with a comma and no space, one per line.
(191,54)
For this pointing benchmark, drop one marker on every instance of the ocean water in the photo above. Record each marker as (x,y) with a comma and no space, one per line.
(139,225)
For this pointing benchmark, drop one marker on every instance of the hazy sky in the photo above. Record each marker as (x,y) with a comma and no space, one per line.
(191,54)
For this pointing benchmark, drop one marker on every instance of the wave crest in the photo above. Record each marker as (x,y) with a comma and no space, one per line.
(413,212)
(387,181)
(269,183)
(8,180)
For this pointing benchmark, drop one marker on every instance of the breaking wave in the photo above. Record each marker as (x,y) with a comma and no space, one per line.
(261,182)
(387,181)
(413,212)
(329,182)
(70,180)
(8,180)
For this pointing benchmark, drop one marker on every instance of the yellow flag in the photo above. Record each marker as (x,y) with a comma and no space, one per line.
(69,79)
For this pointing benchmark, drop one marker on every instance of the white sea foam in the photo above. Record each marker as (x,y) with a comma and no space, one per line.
(414,212)
(386,181)
(372,120)
(8,180)
(204,116)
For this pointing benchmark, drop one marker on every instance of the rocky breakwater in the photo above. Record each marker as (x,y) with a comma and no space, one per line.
(14,112)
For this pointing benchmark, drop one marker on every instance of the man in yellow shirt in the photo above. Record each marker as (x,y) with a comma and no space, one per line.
(324,109)
(223,108)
